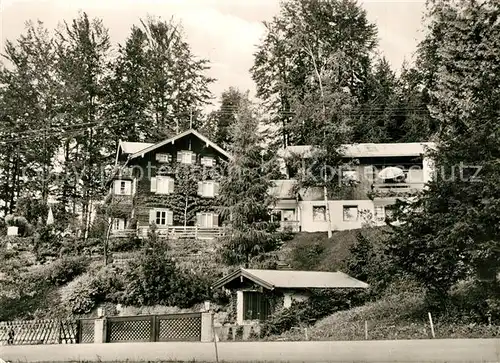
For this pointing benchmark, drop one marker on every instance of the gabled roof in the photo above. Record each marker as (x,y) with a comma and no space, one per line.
(271,279)
(152,147)
(366,150)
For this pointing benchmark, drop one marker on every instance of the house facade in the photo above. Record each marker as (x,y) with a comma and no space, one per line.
(377,175)
(172,184)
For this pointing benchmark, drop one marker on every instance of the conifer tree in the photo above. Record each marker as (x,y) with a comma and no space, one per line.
(244,191)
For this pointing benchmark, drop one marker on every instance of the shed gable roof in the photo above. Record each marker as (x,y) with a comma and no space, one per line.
(271,279)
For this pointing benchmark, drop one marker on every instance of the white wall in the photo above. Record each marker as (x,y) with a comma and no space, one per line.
(336,213)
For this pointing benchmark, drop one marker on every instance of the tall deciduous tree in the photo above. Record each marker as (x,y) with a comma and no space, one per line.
(309,37)
(452,231)
(244,191)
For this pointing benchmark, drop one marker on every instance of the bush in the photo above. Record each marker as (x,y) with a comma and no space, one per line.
(305,256)
(153,279)
(90,289)
(65,270)
(319,305)
(130,243)
(25,228)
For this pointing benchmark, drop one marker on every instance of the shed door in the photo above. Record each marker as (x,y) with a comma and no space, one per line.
(255,306)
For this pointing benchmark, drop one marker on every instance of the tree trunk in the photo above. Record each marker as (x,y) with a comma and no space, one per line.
(106,241)
(325,177)
(185,211)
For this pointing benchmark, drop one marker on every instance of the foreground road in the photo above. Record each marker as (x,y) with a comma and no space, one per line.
(456,350)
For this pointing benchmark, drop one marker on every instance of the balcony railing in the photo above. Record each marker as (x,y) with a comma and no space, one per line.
(399,187)
(293,226)
(174,232)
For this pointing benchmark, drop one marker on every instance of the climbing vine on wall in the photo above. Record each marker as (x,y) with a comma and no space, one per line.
(184,201)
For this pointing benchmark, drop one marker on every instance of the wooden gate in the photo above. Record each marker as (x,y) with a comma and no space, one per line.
(154,328)
(86,331)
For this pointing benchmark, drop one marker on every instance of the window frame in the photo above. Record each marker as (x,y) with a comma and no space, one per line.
(161,215)
(350,206)
(261,306)
(315,214)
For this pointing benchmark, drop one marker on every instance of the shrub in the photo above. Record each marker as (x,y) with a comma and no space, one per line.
(154,279)
(47,244)
(65,269)
(90,289)
(304,256)
(130,243)
(25,228)
(319,305)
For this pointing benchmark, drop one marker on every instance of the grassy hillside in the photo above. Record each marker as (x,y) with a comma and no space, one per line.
(400,315)
(315,251)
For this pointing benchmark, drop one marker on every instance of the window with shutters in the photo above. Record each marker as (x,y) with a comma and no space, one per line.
(123,187)
(255,306)
(186,157)
(208,189)
(208,161)
(164,185)
(163,158)
(161,217)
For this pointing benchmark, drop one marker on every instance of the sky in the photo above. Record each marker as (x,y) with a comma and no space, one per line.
(224,31)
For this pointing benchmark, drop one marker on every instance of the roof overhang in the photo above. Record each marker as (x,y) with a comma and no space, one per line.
(238,274)
(141,153)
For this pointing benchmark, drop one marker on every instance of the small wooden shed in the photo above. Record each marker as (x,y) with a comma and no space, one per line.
(252,288)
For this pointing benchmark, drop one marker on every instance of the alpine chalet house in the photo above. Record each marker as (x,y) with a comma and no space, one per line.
(172,184)
(378,174)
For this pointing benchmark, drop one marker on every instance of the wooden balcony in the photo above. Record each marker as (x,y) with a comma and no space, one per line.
(173,232)
(293,226)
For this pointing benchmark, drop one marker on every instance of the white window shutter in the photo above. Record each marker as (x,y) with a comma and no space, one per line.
(128,187)
(179,156)
(170,218)
(215,220)
(152,216)
(153,185)
(134,186)
(200,188)
(171,185)
(116,187)
(193,158)
(198,219)
(216,189)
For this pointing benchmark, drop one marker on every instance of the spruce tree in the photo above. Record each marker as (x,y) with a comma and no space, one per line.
(244,192)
